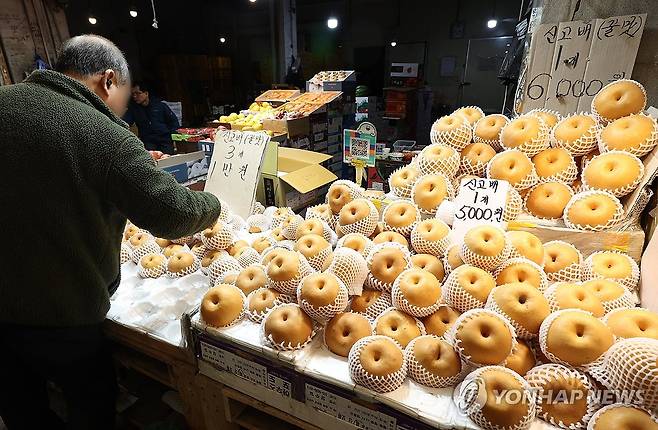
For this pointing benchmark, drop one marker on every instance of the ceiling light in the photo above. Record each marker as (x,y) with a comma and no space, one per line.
(492,23)
(332,23)
(222,40)
(252,1)
(133,13)
(394,43)
(92,20)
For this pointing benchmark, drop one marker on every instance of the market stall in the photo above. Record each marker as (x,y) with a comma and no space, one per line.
(505,257)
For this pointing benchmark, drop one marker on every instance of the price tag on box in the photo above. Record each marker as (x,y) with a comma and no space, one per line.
(479,201)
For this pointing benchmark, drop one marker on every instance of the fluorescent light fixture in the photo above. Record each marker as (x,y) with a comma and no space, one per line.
(332,23)
(92,20)
(492,23)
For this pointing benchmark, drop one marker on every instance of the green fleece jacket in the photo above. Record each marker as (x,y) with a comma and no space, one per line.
(70,174)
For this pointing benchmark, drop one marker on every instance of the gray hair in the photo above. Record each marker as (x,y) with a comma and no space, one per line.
(89,55)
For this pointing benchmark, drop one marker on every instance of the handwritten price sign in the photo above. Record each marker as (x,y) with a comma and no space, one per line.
(235,167)
(479,201)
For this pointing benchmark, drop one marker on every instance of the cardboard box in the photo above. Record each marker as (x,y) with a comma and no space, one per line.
(299,142)
(292,127)
(185,167)
(278,96)
(291,177)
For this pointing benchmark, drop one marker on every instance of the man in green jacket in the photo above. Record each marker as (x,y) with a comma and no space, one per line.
(71,174)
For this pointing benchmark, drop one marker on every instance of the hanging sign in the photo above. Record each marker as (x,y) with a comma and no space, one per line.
(235,168)
(479,201)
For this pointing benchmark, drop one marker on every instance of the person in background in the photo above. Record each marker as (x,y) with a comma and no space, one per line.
(65,221)
(154,120)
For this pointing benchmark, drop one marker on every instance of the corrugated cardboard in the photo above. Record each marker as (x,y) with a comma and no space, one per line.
(184,167)
(292,127)
(291,177)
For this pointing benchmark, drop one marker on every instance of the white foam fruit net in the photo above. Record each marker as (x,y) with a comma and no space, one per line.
(613,312)
(548,379)
(321,212)
(404,191)
(524,183)
(543,338)
(380,384)
(283,346)
(186,240)
(279,215)
(513,205)
(592,425)
(366,225)
(584,144)
(222,265)
(457,137)
(199,250)
(152,272)
(148,247)
(604,120)
(402,303)
(355,191)
(455,296)
(543,279)
(521,332)
(643,148)
(374,283)
(248,256)
(428,165)
(422,375)
(450,193)
(326,312)
(624,301)
(378,307)
(631,364)
(452,335)
(289,226)
(187,270)
(476,410)
(258,223)
(494,143)
(366,249)
(616,217)
(532,190)
(125,252)
(486,262)
(533,146)
(350,267)
(631,282)
(319,260)
(304,229)
(567,175)
(404,230)
(289,286)
(433,247)
(220,240)
(570,273)
(620,191)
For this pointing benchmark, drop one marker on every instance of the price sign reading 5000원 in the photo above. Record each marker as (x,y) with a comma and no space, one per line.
(479,201)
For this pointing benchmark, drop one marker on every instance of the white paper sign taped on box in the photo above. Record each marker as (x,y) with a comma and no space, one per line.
(235,167)
(479,201)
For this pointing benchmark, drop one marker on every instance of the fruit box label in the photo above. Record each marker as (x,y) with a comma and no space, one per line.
(479,201)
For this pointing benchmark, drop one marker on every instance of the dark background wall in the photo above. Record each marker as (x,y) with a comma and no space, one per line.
(421,28)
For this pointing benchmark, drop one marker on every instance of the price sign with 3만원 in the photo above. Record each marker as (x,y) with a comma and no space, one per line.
(479,201)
